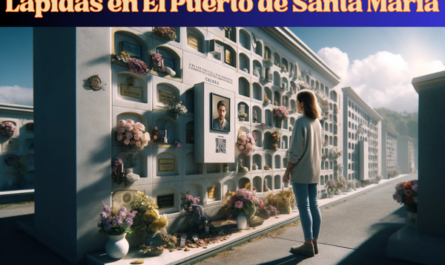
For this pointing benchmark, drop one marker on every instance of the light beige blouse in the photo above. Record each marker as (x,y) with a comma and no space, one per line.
(305,151)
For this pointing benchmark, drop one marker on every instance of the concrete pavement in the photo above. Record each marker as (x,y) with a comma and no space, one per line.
(353,232)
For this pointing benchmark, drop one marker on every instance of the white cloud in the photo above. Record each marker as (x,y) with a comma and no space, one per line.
(382,79)
(16,95)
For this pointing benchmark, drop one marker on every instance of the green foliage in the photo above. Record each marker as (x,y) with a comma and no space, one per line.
(404,123)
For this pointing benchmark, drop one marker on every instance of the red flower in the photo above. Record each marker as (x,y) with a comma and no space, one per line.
(409,199)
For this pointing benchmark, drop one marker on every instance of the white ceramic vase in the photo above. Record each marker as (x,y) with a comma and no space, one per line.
(170,71)
(117,246)
(131,177)
(241,221)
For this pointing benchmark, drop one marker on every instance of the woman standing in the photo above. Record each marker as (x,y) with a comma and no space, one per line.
(303,169)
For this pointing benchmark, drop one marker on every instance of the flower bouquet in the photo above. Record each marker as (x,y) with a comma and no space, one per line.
(7,129)
(284,201)
(148,221)
(116,224)
(187,200)
(117,171)
(176,108)
(246,142)
(340,187)
(137,66)
(406,193)
(132,135)
(280,112)
(242,116)
(331,186)
(244,202)
(166,32)
(267,211)
(275,139)
(266,167)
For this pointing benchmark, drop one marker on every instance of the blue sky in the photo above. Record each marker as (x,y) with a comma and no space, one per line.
(379,63)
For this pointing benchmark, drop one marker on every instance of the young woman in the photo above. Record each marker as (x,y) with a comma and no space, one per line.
(303,169)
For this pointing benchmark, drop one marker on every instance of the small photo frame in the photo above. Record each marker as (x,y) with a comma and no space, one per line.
(220,113)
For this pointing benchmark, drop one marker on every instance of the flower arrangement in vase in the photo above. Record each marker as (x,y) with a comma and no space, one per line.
(132,135)
(7,129)
(134,65)
(283,201)
(267,211)
(406,193)
(148,220)
(266,100)
(266,167)
(176,108)
(187,200)
(244,204)
(275,139)
(280,112)
(116,224)
(242,116)
(340,187)
(246,142)
(158,64)
(130,176)
(165,32)
(331,186)
(117,171)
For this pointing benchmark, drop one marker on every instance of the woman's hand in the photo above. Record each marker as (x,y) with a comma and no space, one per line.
(286,176)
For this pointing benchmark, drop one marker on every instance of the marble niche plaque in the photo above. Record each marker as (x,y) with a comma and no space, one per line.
(166,165)
(130,90)
(165,201)
(165,96)
(10,145)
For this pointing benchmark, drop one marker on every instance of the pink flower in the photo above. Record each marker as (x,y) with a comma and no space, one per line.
(121,130)
(122,123)
(120,137)
(135,130)
(130,121)
(132,142)
(144,144)
(408,192)
(138,143)
(126,142)
(239,204)
(240,192)
(241,147)
(129,135)
(247,195)
(255,199)
(136,137)
(128,127)
(248,146)
(261,203)
(140,126)
(145,137)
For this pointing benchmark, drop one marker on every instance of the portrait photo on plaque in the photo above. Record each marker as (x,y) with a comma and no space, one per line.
(220,113)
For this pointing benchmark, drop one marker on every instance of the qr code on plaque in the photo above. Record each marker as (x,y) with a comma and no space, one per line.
(220,145)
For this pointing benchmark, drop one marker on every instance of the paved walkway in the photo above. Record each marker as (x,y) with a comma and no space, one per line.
(353,232)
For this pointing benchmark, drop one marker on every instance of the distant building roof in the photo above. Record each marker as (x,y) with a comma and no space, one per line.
(356,97)
(14,107)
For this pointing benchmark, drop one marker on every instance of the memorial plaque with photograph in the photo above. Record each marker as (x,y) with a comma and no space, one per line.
(165,201)
(220,113)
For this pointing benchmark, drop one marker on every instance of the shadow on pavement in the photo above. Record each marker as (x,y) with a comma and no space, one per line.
(17,247)
(289,260)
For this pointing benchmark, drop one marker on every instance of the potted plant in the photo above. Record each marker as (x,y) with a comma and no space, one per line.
(176,108)
(148,221)
(406,193)
(116,224)
(266,212)
(242,116)
(244,204)
(7,129)
(331,187)
(340,187)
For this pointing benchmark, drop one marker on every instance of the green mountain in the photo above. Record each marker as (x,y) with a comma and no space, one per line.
(404,123)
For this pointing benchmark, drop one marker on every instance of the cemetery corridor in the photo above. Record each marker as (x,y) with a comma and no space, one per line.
(353,232)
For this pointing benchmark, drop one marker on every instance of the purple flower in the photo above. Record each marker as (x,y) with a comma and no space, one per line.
(415,187)
(132,214)
(113,221)
(119,220)
(103,215)
(99,224)
(107,226)
(128,222)
(106,208)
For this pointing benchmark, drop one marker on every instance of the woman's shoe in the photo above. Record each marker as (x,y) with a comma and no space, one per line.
(305,249)
(315,248)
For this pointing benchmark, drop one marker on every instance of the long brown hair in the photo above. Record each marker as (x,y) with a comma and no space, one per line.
(310,104)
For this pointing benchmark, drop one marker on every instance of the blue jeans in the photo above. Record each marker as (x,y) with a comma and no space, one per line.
(310,216)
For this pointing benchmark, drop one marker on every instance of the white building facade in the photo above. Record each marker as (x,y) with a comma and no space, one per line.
(389,150)
(405,154)
(362,138)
